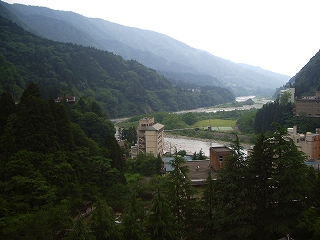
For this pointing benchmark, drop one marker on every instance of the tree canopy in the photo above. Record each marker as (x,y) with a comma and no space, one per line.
(121,87)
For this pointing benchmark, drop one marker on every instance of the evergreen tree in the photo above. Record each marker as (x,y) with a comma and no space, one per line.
(208,205)
(179,191)
(103,222)
(63,125)
(36,129)
(80,230)
(161,224)
(234,217)
(134,219)
(288,182)
(31,90)
(309,221)
(114,153)
(278,186)
(259,182)
(7,107)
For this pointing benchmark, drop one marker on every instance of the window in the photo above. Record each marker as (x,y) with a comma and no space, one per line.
(220,158)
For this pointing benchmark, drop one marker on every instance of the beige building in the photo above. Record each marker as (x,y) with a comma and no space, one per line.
(309,105)
(290,91)
(308,143)
(149,138)
(218,156)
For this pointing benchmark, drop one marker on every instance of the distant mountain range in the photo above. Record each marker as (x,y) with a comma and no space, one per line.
(177,61)
(121,87)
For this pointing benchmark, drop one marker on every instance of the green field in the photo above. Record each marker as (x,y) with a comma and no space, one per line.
(215,123)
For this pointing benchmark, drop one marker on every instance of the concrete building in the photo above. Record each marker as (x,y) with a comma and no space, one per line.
(291,92)
(218,156)
(308,143)
(309,105)
(149,138)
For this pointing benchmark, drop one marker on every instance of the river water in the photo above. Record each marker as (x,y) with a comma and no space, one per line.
(258,103)
(191,145)
(177,143)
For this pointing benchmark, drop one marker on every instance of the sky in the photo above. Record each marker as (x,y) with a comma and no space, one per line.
(276,35)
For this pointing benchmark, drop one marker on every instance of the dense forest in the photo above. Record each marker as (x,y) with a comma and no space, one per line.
(152,49)
(122,87)
(307,80)
(63,176)
(51,166)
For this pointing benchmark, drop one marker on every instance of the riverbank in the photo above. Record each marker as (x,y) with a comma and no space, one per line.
(174,143)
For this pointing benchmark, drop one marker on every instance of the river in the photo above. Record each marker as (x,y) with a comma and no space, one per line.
(258,103)
(191,145)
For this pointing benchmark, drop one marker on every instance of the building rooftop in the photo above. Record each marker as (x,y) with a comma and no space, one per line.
(154,127)
(221,149)
(198,170)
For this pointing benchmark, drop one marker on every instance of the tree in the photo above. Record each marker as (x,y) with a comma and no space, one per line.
(145,164)
(129,134)
(233,210)
(114,153)
(36,129)
(103,222)
(161,223)
(259,184)
(273,112)
(285,98)
(189,118)
(63,125)
(288,181)
(96,127)
(208,204)
(179,192)
(134,219)
(278,185)
(309,221)
(80,230)
(7,107)
(31,90)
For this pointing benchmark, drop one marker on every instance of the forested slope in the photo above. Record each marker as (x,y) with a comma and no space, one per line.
(49,167)
(155,50)
(123,87)
(307,80)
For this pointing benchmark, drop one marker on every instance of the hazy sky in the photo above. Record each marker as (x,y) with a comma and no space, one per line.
(277,35)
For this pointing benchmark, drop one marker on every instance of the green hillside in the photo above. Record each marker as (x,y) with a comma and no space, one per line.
(307,80)
(152,49)
(122,87)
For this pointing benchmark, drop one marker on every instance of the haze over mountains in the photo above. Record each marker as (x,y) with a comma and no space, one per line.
(177,61)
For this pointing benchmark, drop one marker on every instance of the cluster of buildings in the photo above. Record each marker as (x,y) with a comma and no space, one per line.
(309,106)
(306,105)
(150,138)
(308,143)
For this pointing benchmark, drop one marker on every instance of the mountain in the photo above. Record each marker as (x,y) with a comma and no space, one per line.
(154,50)
(122,87)
(307,80)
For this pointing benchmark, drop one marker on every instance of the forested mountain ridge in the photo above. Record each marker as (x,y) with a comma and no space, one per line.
(307,80)
(152,49)
(122,87)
